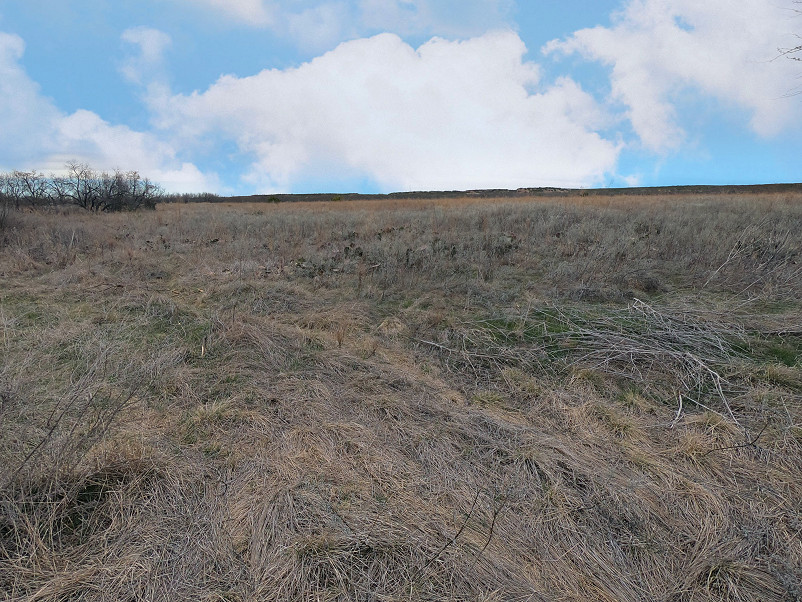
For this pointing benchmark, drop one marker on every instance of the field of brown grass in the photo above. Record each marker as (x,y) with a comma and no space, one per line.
(467,399)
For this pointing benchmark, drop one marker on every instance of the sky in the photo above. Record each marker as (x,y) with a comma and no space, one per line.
(269,96)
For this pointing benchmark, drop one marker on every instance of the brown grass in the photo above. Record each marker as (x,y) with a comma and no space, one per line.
(473,399)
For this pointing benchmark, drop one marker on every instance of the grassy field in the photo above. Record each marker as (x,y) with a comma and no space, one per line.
(472,399)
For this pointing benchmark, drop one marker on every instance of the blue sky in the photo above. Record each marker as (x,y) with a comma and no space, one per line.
(260,96)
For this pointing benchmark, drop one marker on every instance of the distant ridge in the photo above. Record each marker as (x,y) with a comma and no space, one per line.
(520,192)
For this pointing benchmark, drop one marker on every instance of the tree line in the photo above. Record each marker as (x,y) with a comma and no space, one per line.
(81,186)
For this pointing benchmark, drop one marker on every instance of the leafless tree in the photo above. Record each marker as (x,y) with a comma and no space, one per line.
(5,202)
(33,185)
(132,191)
(13,189)
(20,188)
(81,186)
(794,53)
(104,191)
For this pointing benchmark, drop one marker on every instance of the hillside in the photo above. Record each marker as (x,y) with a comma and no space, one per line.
(458,398)
(524,193)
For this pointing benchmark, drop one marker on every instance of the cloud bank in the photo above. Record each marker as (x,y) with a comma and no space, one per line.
(468,114)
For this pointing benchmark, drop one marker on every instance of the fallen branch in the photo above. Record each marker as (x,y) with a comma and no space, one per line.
(750,443)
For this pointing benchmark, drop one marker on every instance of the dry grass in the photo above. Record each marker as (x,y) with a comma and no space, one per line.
(573,399)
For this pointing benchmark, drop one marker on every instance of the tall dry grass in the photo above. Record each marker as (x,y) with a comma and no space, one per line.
(461,400)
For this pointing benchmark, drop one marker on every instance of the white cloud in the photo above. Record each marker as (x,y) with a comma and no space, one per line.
(12,47)
(147,63)
(254,12)
(317,25)
(449,115)
(438,17)
(26,117)
(108,147)
(35,134)
(658,49)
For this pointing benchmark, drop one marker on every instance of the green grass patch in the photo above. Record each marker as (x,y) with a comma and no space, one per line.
(786,351)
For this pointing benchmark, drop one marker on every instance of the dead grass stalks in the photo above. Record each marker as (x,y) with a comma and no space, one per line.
(554,399)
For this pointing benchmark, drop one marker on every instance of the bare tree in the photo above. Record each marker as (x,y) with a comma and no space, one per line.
(5,202)
(141,192)
(13,189)
(105,191)
(795,53)
(34,186)
(126,191)
(81,187)
(20,188)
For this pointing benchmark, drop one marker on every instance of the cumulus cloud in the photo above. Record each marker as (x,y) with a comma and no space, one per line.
(658,49)
(107,146)
(447,115)
(35,134)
